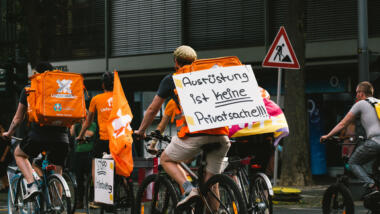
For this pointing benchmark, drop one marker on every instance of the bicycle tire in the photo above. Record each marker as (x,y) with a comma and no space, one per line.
(260,195)
(89,204)
(157,204)
(229,194)
(15,202)
(59,200)
(71,182)
(124,195)
(337,197)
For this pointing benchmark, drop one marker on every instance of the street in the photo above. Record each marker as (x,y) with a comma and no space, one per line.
(305,206)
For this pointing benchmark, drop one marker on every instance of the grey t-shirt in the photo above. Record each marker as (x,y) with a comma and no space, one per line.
(368,118)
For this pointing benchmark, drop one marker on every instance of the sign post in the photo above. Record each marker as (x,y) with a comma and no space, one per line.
(280,55)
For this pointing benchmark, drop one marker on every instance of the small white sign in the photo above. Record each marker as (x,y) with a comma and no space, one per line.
(221,96)
(104,188)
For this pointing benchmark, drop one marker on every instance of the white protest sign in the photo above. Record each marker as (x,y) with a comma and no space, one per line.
(104,173)
(220,97)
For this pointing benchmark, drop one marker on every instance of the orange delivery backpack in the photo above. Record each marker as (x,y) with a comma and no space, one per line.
(56,98)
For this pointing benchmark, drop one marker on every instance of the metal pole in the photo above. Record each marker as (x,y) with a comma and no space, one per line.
(278,103)
(106,32)
(363,53)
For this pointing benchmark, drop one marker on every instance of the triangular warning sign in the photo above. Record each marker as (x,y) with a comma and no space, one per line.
(281,53)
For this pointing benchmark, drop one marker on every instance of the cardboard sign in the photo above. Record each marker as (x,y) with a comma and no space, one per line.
(104,188)
(221,96)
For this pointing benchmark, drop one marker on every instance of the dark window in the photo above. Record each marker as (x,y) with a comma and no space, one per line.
(145,27)
(76,29)
(224,24)
(329,20)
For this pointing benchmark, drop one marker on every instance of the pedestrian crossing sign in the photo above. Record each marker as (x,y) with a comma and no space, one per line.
(281,53)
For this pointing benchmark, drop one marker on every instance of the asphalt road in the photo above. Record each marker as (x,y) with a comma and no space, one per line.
(310,204)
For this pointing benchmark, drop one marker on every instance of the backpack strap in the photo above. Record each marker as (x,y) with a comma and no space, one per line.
(373,101)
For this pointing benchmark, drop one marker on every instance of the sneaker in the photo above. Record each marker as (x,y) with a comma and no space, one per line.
(189,198)
(31,192)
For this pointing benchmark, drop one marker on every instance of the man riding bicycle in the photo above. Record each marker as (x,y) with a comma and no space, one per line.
(101,104)
(53,139)
(185,145)
(371,124)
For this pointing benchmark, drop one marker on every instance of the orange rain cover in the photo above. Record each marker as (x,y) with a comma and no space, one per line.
(56,98)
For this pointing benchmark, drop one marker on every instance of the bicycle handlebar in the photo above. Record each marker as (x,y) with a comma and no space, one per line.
(340,140)
(16,138)
(157,135)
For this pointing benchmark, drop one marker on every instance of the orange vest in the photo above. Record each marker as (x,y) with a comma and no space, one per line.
(197,65)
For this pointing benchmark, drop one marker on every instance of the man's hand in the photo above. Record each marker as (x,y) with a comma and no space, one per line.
(6,136)
(80,138)
(323,138)
(139,135)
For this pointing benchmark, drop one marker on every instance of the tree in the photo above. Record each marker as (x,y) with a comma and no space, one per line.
(296,155)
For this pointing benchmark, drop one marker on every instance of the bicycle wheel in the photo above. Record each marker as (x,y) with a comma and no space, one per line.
(90,205)
(337,199)
(156,195)
(227,200)
(260,198)
(71,182)
(60,201)
(15,202)
(124,197)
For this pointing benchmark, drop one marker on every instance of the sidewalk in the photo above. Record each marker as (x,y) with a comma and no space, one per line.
(311,196)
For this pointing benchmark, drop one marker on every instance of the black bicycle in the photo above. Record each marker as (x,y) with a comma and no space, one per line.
(158,193)
(254,185)
(337,197)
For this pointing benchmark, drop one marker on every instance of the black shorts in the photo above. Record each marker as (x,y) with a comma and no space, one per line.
(100,146)
(56,149)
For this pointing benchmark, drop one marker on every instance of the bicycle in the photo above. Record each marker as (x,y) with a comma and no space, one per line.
(337,197)
(53,198)
(123,196)
(255,187)
(165,195)
(67,175)
(156,194)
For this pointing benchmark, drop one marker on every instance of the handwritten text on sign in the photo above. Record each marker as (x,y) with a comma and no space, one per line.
(220,97)
(104,172)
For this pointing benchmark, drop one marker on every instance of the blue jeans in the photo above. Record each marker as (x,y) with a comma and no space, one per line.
(362,155)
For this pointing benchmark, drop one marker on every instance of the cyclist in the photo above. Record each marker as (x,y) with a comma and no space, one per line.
(185,145)
(53,139)
(101,105)
(81,160)
(371,124)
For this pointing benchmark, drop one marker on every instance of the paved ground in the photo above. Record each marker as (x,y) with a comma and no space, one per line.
(310,202)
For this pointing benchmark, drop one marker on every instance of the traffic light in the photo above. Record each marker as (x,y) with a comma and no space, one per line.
(4,80)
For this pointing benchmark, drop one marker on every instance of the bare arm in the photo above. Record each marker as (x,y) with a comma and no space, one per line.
(150,113)
(89,120)
(163,123)
(341,125)
(5,153)
(17,120)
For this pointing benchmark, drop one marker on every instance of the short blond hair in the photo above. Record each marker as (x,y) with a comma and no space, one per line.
(367,88)
(184,55)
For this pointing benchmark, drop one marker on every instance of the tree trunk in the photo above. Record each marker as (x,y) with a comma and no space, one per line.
(296,156)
